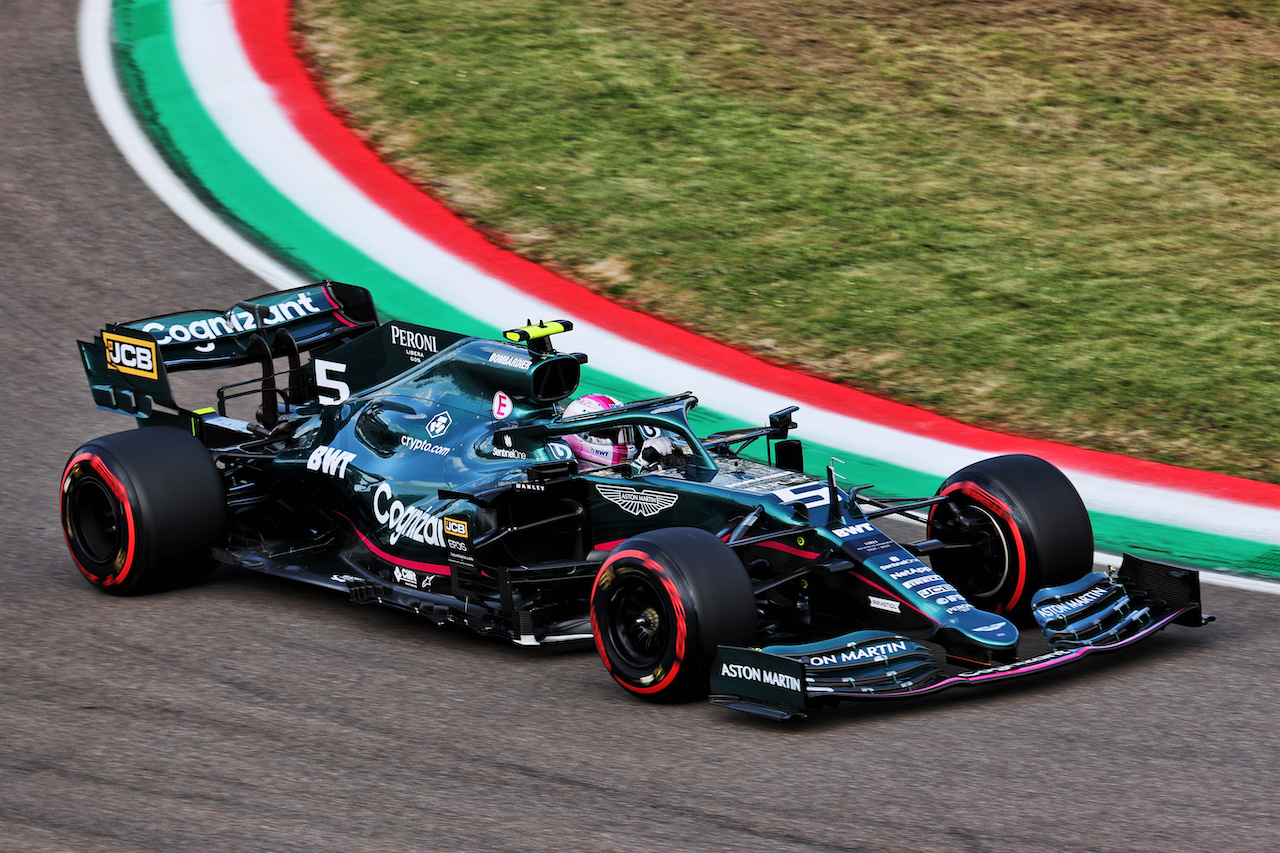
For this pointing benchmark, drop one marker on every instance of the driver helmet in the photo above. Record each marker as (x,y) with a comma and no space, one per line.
(611,446)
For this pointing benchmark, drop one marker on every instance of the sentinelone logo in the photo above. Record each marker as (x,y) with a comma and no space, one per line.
(131,355)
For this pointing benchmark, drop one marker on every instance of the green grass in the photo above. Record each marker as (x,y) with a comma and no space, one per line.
(1057,221)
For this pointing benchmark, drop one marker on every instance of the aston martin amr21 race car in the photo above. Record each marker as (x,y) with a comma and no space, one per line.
(453,477)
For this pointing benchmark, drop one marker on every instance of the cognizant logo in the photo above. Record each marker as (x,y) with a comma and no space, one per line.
(232,323)
(406,522)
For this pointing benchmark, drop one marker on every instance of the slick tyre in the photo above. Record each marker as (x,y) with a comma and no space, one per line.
(140,510)
(1026,527)
(661,604)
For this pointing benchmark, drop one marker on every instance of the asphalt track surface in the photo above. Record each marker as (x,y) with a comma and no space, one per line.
(248,714)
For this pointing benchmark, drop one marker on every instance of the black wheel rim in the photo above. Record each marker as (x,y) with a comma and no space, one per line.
(97,525)
(639,623)
(982,570)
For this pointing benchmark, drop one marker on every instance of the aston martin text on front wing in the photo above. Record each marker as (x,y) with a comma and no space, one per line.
(764,676)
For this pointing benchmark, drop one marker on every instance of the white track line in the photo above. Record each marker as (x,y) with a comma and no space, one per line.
(1238,582)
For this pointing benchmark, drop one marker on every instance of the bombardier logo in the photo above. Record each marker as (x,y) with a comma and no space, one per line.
(510,360)
(131,355)
(645,503)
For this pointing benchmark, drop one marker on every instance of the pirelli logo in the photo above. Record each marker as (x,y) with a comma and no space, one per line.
(131,355)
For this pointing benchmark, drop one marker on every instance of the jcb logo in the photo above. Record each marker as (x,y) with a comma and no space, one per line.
(132,356)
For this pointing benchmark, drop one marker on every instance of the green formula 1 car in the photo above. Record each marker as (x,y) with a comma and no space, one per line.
(459,478)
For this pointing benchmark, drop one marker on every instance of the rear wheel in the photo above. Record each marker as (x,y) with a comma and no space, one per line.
(1025,527)
(662,602)
(141,508)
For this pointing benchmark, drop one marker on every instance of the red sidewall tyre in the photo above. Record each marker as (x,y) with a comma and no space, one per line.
(661,604)
(1039,528)
(140,508)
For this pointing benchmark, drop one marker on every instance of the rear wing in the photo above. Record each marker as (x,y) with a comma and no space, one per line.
(128,364)
(309,316)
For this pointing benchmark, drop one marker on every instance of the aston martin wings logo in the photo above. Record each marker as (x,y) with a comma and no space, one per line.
(645,503)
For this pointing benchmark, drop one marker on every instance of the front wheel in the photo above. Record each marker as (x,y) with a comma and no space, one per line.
(141,508)
(661,604)
(1015,524)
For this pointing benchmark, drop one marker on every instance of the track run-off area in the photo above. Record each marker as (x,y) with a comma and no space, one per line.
(211,104)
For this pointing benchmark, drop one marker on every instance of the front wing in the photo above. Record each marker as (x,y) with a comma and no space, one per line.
(1098,613)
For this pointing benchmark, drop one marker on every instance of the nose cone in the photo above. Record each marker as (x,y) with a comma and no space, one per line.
(985,629)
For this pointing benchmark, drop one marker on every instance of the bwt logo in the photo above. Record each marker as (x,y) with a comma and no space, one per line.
(132,356)
(330,460)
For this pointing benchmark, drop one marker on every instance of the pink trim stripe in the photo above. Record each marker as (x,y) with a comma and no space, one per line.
(337,312)
(264,29)
(428,568)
